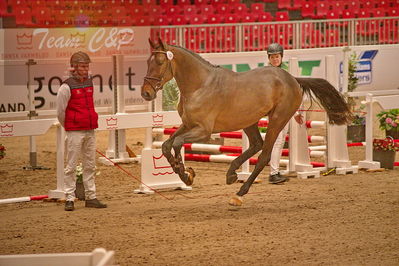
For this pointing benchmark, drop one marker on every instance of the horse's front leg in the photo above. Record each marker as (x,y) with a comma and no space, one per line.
(255,145)
(167,148)
(193,135)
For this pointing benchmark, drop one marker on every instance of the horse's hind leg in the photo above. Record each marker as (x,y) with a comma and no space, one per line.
(255,145)
(276,124)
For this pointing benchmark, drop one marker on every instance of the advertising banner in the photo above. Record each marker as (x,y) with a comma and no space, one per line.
(376,64)
(51,50)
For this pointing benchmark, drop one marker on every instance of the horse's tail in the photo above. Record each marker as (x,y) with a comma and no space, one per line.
(333,102)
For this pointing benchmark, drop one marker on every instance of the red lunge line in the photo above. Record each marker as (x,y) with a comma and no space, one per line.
(117,165)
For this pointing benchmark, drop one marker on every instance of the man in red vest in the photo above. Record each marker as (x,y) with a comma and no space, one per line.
(76,113)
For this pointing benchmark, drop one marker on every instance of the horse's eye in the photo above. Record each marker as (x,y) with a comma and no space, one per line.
(159,61)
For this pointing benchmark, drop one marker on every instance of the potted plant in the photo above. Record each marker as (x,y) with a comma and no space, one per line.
(2,151)
(384,151)
(389,121)
(356,130)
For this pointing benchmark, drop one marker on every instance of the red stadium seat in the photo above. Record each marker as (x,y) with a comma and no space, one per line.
(137,11)
(43,16)
(170,35)
(367,27)
(393,12)
(4,11)
(354,6)
(193,44)
(282,16)
(308,10)
(284,4)
(378,12)
(265,17)
(332,38)
(232,18)
(338,6)
(364,13)
(257,8)
(367,4)
(66,21)
(37,3)
(201,2)
(239,8)
(306,32)
(121,21)
(126,3)
(317,39)
(161,20)
(183,2)
(332,14)
(348,14)
(215,19)
(143,21)
(383,4)
(118,11)
(296,4)
(155,10)
(232,2)
(223,9)
(196,19)
(249,17)
(173,10)
(18,4)
(207,10)
(179,20)
(322,8)
(216,2)
(190,10)
(148,2)
(23,16)
(166,3)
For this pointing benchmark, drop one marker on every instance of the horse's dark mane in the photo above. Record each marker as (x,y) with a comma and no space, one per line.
(196,56)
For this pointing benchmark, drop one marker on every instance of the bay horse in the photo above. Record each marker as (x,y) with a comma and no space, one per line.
(214,99)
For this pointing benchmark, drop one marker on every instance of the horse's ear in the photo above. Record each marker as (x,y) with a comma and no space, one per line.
(163,45)
(151,43)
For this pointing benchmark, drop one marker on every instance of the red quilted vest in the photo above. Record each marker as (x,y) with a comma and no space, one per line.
(80,113)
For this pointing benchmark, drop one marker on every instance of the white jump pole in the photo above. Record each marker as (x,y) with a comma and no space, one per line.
(299,158)
(337,150)
(59,193)
(117,138)
(386,102)
(32,114)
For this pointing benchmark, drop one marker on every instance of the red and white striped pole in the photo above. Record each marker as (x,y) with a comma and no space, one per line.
(23,199)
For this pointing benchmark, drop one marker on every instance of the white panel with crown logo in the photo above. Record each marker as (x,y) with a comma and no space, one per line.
(156,173)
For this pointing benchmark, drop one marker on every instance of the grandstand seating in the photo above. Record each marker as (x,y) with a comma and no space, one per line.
(83,13)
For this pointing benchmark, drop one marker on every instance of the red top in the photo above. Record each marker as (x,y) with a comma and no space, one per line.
(80,113)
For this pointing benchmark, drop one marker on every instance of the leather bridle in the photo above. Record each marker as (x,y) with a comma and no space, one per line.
(158,85)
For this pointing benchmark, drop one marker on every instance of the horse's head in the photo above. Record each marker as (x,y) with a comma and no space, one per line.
(159,70)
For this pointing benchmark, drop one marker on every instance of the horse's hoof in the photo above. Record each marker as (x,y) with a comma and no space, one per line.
(231,179)
(236,201)
(189,176)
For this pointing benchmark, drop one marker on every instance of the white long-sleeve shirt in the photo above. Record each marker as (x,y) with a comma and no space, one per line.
(63,96)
